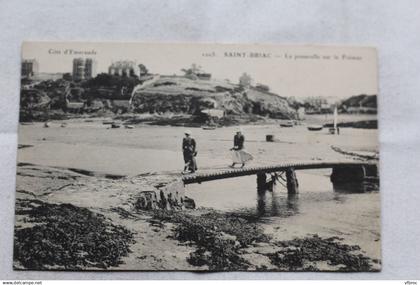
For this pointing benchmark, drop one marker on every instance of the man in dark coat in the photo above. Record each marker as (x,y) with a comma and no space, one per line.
(189,150)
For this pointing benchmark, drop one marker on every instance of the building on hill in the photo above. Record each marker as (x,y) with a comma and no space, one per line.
(245,80)
(317,105)
(325,108)
(214,113)
(29,68)
(90,68)
(262,87)
(74,107)
(124,68)
(204,76)
(83,68)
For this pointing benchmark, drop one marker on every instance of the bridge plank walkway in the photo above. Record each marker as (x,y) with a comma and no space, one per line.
(238,172)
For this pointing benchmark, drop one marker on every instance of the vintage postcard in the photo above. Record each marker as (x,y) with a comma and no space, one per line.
(197,157)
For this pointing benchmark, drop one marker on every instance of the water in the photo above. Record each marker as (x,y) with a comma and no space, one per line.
(317,209)
(240,194)
(92,146)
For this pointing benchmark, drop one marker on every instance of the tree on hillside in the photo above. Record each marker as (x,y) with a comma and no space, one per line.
(67,76)
(294,103)
(245,80)
(361,100)
(314,102)
(193,70)
(143,69)
(108,80)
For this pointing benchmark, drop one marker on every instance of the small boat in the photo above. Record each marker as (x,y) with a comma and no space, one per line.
(287,124)
(209,127)
(129,127)
(115,126)
(315,128)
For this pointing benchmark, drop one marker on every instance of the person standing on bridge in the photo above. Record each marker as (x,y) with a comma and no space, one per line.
(189,150)
(239,155)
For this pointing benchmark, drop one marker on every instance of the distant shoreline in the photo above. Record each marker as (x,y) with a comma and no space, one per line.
(186,120)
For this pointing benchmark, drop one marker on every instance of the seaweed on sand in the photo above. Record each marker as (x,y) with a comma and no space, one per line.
(298,254)
(218,237)
(221,239)
(67,237)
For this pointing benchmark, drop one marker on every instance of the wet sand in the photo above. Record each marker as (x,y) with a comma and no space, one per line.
(94,146)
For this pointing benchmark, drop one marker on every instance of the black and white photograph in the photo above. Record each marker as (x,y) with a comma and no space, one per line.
(197,157)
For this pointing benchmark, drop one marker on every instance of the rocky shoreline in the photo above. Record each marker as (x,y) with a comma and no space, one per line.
(227,242)
(175,120)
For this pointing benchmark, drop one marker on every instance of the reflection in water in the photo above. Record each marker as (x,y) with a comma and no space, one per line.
(276,203)
(262,188)
(265,192)
(339,198)
(348,187)
(244,196)
(293,203)
(355,187)
(275,207)
(261,203)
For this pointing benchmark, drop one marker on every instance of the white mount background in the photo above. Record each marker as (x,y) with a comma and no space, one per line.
(391,26)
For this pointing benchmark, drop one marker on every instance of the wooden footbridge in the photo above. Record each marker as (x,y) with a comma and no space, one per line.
(342,172)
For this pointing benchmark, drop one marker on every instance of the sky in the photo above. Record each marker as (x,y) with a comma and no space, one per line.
(299,71)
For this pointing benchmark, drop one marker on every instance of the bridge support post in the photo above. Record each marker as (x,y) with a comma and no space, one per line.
(292,182)
(261,190)
(349,179)
(371,171)
(347,174)
(261,183)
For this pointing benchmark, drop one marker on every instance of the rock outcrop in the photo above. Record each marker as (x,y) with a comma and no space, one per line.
(183,95)
(359,104)
(33,103)
(166,193)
